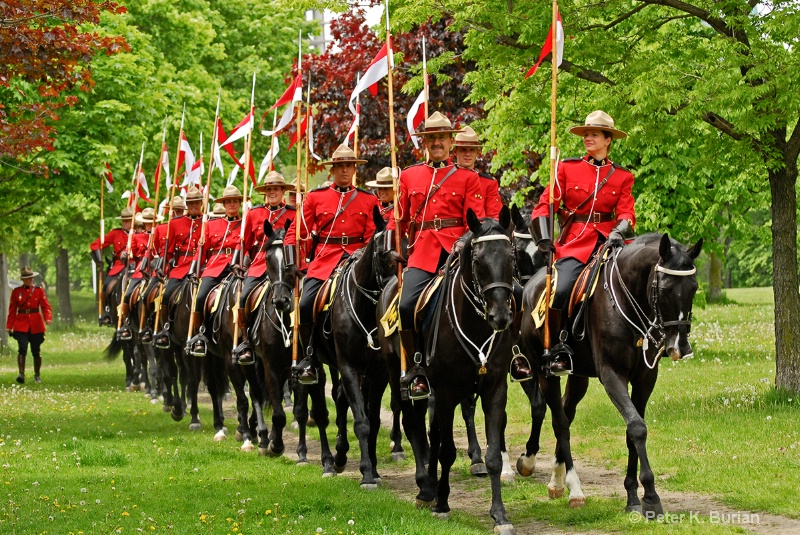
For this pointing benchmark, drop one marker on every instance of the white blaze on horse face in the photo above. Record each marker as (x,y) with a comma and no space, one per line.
(279,259)
(531,249)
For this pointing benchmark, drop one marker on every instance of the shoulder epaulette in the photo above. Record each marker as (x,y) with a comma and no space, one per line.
(573,159)
(319,188)
(257,206)
(365,191)
(618,166)
(486,175)
(415,165)
(290,207)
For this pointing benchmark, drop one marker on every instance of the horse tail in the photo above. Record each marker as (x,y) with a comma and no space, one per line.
(113,350)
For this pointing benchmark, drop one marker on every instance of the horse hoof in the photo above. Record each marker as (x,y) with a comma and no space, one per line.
(238,436)
(176,416)
(247,446)
(577,502)
(652,510)
(508,478)
(441,515)
(128,388)
(311,422)
(369,486)
(523,468)
(220,436)
(398,456)
(424,504)
(378,481)
(505,529)
(391,445)
(328,474)
(554,493)
(153,401)
(478,470)
(166,408)
(195,426)
(302,462)
(272,451)
(633,509)
(339,469)
(295,426)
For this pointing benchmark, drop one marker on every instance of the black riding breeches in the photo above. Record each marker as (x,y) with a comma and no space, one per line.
(35,340)
(414,281)
(309,296)
(169,289)
(248,286)
(131,287)
(567,270)
(206,285)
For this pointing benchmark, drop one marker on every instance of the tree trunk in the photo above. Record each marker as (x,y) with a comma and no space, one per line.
(785,278)
(24,260)
(62,286)
(5,295)
(714,278)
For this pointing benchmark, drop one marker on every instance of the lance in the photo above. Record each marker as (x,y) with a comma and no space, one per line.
(395,177)
(202,239)
(272,139)
(299,215)
(128,251)
(308,131)
(99,269)
(553,163)
(245,209)
(174,182)
(357,120)
(425,82)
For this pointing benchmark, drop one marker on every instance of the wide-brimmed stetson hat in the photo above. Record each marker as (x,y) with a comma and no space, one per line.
(229,193)
(26,273)
(436,124)
(599,120)
(126,214)
(193,194)
(148,215)
(343,154)
(293,187)
(178,203)
(273,178)
(383,179)
(467,137)
(217,212)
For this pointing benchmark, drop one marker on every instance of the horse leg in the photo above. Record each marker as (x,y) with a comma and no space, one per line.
(342,443)
(563,469)
(527,461)
(300,412)
(255,378)
(477,468)
(352,389)
(237,379)
(127,358)
(319,411)
(494,409)
(396,435)
(274,386)
(194,365)
(216,381)
(373,395)
(507,474)
(443,451)
(153,373)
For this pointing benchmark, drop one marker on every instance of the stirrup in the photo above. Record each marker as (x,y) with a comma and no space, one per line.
(124,333)
(146,336)
(239,355)
(197,346)
(305,373)
(515,355)
(414,385)
(161,338)
(105,320)
(560,353)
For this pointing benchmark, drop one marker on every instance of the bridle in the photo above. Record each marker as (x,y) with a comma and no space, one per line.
(520,236)
(480,291)
(650,329)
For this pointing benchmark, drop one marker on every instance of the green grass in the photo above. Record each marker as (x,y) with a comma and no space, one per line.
(77,454)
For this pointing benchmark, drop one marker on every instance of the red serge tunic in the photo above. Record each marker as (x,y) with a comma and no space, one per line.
(139,243)
(387,211)
(461,191)
(576,181)
(24,310)
(221,240)
(492,203)
(117,238)
(184,233)
(277,218)
(317,213)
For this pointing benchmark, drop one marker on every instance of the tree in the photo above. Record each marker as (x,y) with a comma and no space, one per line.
(703,89)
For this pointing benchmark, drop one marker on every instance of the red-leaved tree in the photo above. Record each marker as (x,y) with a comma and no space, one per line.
(46,53)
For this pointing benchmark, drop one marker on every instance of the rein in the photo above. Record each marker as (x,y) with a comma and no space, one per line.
(656,324)
(522,236)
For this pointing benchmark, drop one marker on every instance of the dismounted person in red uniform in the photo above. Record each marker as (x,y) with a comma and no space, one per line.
(594,199)
(220,242)
(340,217)
(433,200)
(139,244)
(173,257)
(466,149)
(28,311)
(117,239)
(277,213)
(384,190)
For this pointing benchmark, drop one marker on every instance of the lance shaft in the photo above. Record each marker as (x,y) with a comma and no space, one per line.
(128,251)
(553,176)
(100,295)
(245,210)
(298,222)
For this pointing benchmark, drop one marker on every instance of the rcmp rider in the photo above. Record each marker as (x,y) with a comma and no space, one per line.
(466,149)
(340,217)
(118,239)
(277,213)
(220,252)
(28,311)
(384,190)
(595,205)
(433,200)
(174,258)
(139,244)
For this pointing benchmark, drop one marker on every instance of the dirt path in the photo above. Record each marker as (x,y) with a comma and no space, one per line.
(597,482)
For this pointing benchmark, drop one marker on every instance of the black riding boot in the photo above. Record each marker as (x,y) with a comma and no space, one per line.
(414,384)
(243,353)
(560,354)
(21,366)
(37,368)
(305,372)
(124,332)
(161,338)
(520,368)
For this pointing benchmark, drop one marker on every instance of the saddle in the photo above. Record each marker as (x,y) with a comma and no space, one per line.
(255,297)
(327,292)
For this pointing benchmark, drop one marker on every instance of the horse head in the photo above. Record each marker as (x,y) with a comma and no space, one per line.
(487,264)
(281,276)
(527,258)
(383,264)
(671,293)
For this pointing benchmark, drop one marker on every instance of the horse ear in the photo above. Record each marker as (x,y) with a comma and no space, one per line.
(287,224)
(473,222)
(505,219)
(665,247)
(267,228)
(516,217)
(377,218)
(694,252)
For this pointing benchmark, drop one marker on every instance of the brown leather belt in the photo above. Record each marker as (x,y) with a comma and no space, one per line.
(437,223)
(27,311)
(223,250)
(342,240)
(594,217)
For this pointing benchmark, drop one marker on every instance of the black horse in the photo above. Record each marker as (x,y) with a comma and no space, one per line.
(131,354)
(641,310)
(271,333)
(346,340)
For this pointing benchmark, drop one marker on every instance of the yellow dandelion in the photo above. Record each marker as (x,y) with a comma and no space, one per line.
(268,512)
(125,513)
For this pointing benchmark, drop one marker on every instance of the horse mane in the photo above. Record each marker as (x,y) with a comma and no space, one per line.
(488,225)
(680,257)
